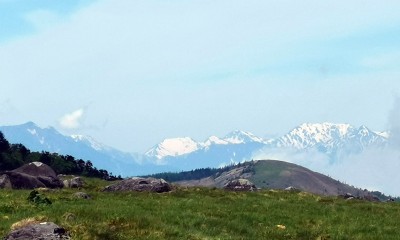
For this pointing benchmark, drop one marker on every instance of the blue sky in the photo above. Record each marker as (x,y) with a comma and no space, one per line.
(131,73)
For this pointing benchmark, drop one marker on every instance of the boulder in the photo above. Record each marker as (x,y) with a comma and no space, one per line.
(140,185)
(292,189)
(29,176)
(24,181)
(240,185)
(5,181)
(36,231)
(76,182)
(36,169)
(81,195)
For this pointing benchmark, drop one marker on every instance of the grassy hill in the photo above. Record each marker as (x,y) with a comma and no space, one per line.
(272,174)
(280,175)
(204,213)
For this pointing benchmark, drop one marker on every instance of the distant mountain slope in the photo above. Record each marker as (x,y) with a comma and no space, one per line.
(49,139)
(274,174)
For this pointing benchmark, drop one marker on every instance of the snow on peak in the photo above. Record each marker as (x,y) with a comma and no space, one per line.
(173,147)
(32,131)
(312,128)
(214,140)
(89,141)
(309,134)
(238,137)
(383,134)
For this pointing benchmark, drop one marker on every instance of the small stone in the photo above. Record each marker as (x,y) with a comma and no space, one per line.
(82,195)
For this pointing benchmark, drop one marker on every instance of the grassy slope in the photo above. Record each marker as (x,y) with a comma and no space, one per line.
(199,213)
(280,175)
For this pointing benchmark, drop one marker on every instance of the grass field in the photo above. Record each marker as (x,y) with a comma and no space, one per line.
(200,213)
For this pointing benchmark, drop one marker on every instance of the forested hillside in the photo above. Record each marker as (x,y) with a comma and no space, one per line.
(15,155)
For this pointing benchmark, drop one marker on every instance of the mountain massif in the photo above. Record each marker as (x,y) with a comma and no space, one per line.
(178,154)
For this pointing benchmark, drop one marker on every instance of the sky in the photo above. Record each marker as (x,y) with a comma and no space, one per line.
(130,73)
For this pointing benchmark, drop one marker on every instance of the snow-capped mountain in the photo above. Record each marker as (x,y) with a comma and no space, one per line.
(330,138)
(90,142)
(333,140)
(173,147)
(184,153)
(240,137)
(309,135)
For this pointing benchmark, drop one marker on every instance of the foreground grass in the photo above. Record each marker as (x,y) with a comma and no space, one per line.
(199,213)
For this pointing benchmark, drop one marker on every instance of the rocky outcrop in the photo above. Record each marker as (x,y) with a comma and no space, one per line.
(39,231)
(240,185)
(29,176)
(140,185)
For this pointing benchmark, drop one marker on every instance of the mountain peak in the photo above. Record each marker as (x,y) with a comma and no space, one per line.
(238,137)
(173,147)
(29,125)
(89,141)
(214,140)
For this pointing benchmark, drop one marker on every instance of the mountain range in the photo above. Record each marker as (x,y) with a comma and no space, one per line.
(184,153)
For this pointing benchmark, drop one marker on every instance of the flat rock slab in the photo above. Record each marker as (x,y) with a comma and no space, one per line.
(40,231)
(140,185)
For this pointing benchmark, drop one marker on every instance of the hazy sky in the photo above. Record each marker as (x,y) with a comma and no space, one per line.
(131,73)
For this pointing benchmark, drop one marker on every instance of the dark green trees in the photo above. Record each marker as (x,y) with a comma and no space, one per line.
(15,155)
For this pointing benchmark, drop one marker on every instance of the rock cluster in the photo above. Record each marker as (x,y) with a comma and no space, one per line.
(140,185)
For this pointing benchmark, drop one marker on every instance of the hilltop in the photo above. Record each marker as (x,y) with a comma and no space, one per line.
(268,174)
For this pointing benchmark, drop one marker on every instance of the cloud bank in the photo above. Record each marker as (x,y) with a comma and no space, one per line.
(72,120)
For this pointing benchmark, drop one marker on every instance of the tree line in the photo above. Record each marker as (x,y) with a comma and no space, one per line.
(195,174)
(13,156)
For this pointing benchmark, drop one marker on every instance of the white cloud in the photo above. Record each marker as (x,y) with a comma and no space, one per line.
(72,120)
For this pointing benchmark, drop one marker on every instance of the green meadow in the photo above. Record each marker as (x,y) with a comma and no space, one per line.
(202,213)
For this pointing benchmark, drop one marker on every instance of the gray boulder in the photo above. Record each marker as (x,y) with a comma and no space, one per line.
(140,185)
(39,231)
(81,195)
(292,189)
(240,185)
(5,181)
(76,182)
(36,169)
(29,176)
(23,181)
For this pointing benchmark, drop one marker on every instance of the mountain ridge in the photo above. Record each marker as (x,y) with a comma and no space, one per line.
(327,137)
(184,153)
